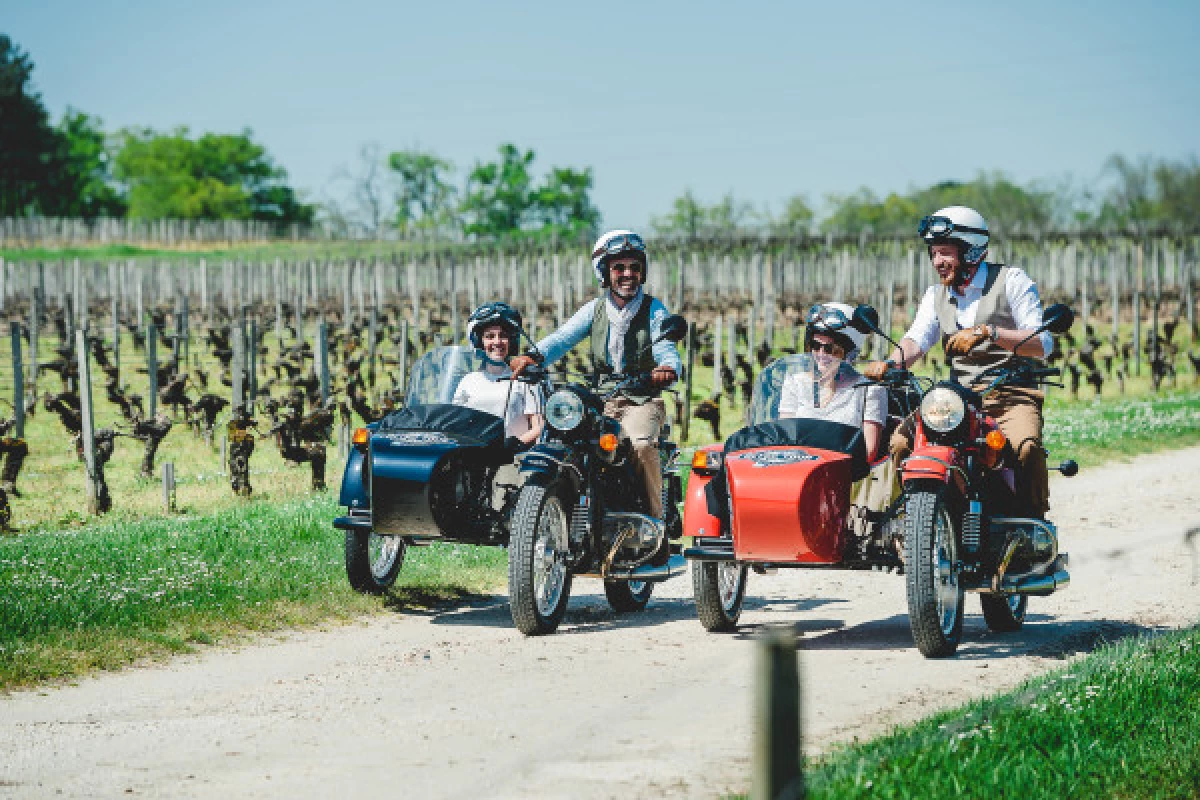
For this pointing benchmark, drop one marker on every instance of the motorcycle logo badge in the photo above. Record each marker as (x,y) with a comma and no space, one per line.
(775,458)
(418,437)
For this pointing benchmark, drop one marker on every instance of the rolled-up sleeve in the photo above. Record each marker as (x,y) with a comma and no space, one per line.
(665,352)
(571,333)
(1026,305)
(925,328)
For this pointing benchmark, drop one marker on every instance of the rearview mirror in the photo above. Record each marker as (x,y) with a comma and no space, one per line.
(673,328)
(865,319)
(1058,318)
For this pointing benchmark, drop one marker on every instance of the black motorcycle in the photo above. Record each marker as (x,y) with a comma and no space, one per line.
(582,511)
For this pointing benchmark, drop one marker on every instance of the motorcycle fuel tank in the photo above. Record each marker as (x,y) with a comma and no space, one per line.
(788,504)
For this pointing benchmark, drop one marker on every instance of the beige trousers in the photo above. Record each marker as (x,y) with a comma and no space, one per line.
(641,424)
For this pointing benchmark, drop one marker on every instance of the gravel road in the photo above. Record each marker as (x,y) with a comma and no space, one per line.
(455,703)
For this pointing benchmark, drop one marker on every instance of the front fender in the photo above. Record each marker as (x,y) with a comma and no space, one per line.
(354,493)
(931,462)
(543,465)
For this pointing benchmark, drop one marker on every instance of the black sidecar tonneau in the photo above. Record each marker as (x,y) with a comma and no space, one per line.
(463,424)
(820,434)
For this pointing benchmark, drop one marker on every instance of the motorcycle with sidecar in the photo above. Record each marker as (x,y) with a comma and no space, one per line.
(429,471)
(778,493)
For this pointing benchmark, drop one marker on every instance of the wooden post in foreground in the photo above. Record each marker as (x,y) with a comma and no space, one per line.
(88,431)
(778,771)
(18,382)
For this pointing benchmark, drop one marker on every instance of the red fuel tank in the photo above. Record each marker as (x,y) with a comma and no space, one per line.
(789,504)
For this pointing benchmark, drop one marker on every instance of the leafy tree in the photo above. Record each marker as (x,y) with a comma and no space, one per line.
(563,205)
(28,142)
(497,198)
(425,198)
(797,217)
(83,186)
(689,217)
(214,176)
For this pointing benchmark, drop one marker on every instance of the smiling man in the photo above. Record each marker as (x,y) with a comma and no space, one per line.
(621,323)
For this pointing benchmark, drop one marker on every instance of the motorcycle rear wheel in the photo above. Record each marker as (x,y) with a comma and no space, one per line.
(1004,614)
(539,583)
(373,561)
(935,595)
(720,589)
(628,596)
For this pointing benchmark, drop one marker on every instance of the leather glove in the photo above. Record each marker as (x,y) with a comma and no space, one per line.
(966,340)
(876,369)
(662,377)
(514,444)
(518,364)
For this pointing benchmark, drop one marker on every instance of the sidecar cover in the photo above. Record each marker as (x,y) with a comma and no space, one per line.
(464,425)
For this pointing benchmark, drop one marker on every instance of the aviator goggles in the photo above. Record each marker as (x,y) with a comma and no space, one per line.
(620,243)
(830,319)
(937,227)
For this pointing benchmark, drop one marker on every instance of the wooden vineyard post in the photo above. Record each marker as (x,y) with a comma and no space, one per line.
(372,344)
(402,378)
(18,381)
(88,431)
(718,349)
(1137,313)
(685,424)
(252,366)
(35,319)
(152,367)
(778,769)
(116,337)
(168,486)
(323,360)
(237,366)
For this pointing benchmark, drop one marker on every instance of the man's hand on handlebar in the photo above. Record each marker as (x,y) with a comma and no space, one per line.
(877,369)
(519,364)
(662,377)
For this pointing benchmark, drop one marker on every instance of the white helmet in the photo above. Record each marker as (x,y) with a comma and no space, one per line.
(958,225)
(618,242)
(833,320)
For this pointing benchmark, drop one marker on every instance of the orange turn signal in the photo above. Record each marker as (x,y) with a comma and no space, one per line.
(699,459)
(608,442)
(996,440)
(360,436)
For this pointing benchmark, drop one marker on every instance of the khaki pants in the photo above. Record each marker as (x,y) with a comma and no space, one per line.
(641,424)
(1018,413)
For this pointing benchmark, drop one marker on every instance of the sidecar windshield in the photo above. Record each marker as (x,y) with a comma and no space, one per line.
(436,374)
(790,375)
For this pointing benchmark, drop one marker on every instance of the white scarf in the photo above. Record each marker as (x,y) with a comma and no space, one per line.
(619,320)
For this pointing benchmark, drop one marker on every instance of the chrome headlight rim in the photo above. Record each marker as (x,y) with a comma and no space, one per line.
(564,411)
(943,410)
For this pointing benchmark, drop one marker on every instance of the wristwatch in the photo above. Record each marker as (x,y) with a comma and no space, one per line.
(988,330)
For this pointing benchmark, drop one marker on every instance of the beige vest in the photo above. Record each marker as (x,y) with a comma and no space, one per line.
(993,309)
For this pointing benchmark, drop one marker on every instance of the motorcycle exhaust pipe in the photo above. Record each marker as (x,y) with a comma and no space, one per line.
(1037,584)
(675,565)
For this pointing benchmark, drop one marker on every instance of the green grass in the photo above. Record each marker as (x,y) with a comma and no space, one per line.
(1095,431)
(1121,722)
(106,595)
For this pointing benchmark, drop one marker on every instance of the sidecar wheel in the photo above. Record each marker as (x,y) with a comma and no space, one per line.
(539,583)
(935,595)
(373,561)
(1004,614)
(627,596)
(720,589)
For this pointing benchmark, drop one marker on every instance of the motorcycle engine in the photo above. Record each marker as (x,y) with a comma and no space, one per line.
(635,535)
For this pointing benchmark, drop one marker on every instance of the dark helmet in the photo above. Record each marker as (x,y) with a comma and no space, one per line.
(496,313)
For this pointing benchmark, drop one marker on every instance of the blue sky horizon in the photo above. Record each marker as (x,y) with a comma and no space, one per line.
(761,100)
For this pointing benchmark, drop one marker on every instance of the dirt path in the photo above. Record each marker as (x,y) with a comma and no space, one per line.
(455,703)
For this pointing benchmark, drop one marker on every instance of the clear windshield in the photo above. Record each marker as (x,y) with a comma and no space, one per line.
(436,374)
(796,377)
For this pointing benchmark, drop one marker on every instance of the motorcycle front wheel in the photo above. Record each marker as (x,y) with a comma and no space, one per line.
(373,561)
(935,595)
(539,583)
(720,589)
(626,596)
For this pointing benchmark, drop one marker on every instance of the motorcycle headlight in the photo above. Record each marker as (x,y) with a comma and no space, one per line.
(564,411)
(942,410)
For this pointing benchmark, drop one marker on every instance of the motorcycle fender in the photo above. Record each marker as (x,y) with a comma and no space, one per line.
(542,465)
(698,519)
(399,484)
(354,483)
(931,462)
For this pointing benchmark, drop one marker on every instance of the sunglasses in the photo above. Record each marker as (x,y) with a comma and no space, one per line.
(831,348)
(635,269)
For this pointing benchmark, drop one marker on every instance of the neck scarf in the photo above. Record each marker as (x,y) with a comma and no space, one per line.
(619,321)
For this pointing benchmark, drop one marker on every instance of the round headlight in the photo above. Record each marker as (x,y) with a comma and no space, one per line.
(942,410)
(564,410)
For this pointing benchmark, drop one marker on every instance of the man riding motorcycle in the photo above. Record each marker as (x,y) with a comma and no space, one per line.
(620,325)
(983,312)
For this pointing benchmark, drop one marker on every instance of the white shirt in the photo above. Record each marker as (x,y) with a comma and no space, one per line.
(489,391)
(853,402)
(1022,296)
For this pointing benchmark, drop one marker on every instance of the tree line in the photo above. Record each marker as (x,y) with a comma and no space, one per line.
(74,168)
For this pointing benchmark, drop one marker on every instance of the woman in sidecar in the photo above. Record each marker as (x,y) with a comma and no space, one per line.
(436,469)
(778,492)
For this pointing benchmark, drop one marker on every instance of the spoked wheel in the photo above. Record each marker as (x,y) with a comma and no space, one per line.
(1004,613)
(935,595)
(626,596)
(539,583)
(373,561)
(720,589)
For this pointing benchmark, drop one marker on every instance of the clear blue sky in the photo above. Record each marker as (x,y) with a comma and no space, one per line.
(762,99)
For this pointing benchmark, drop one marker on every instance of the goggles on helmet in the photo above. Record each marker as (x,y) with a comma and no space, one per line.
(620,243)
(830,319)
(937,227)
